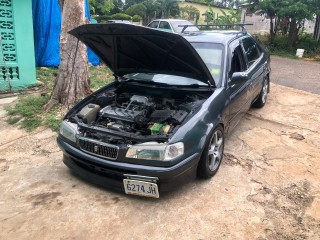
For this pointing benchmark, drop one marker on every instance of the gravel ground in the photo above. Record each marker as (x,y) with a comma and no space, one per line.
(268,186)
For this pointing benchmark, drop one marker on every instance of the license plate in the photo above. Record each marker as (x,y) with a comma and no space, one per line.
(141,188)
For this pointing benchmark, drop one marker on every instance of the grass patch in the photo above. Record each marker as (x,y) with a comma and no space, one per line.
(286,54)
(29,113)
(99,77)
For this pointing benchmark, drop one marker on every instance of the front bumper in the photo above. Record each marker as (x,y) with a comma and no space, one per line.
(111,173)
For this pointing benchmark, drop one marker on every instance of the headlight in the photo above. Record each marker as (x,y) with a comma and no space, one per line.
(69,130)
(156,151)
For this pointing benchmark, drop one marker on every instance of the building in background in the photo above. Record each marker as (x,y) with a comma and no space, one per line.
(203,9)
(17,61)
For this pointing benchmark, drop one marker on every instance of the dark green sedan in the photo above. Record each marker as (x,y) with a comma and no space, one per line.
(163,120)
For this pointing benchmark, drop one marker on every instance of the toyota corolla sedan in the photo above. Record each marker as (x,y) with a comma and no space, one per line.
(163,120)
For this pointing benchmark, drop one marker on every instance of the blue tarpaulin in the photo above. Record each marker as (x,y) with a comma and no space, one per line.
(47,27)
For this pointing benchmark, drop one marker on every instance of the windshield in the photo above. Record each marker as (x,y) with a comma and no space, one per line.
(175,25)
(212,55)
(164,79)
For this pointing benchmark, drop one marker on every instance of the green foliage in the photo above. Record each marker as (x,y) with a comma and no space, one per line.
(100,76)
(169,8)
(230,17)
(101,19)
(189,12)
(121,16)
(297,9)
(118,6)
(136,18)
(293,11)
(281,48)
(29,114)
(52,121)
(150,9)
(306,41)
(100,7)
(209,15)
(29,111)
(137,9)
(233,16)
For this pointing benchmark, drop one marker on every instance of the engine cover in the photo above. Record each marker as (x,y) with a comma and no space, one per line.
(122,114)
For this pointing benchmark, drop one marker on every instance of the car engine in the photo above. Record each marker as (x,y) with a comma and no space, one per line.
(136,114)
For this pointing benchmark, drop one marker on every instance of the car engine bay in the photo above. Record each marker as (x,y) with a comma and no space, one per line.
(131,117)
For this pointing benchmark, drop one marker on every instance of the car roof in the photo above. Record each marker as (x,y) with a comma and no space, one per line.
(170,19)
(215,36)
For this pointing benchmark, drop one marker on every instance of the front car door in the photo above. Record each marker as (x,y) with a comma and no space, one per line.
(238,93)
(153,24)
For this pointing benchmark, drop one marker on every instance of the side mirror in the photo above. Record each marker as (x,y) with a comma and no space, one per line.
(238,78)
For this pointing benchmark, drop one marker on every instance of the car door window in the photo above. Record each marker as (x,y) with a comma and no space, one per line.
(164,25)
(154,24)
(237,61)
(251,49)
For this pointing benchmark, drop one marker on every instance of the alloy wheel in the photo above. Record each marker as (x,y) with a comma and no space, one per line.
(216,150)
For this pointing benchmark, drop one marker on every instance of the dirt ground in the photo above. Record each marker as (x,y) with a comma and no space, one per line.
(268,186)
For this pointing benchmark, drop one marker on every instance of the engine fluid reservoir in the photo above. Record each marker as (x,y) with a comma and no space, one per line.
(89,113)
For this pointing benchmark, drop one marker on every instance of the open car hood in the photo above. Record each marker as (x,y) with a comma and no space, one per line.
(129,48)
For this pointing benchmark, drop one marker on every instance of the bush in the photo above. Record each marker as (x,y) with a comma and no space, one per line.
(307,42)
(102,19)
(281,43)
(280,47)
(136,18)
(121,16)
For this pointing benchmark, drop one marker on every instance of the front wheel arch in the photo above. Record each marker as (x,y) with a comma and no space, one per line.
(204,170)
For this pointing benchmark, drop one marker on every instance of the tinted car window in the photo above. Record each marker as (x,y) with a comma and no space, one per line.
(164,25)
(154,24)
(251,50)
(237,61)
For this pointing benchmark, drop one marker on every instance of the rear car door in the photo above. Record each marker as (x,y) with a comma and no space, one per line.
(255,65)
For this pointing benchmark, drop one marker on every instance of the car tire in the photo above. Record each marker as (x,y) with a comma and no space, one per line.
(212,154)
(262,98)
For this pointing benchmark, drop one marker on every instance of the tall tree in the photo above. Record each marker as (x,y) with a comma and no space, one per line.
(101,7)
(317,23)
(72,83)
(272,9)
(295,11)
(317,29)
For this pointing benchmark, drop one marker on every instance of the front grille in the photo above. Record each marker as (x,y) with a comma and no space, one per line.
(98,148)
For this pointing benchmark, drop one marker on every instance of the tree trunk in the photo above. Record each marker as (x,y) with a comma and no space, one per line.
(272,32)
(317,28)
(293,33)
(72,82)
